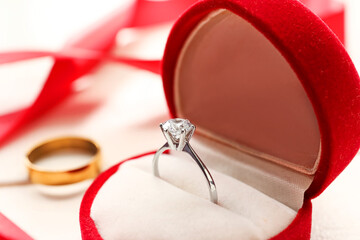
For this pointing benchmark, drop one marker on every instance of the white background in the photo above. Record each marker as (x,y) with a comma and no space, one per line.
(119,109)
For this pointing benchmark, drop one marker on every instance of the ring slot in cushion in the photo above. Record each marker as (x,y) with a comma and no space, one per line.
(138,205)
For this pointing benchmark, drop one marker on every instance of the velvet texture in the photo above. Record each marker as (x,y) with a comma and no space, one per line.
(323,67)
(176,206)
(87,224)
(317,57)
(320,62)
(300,228)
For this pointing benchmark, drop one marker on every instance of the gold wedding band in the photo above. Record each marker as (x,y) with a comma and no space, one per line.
(42,176)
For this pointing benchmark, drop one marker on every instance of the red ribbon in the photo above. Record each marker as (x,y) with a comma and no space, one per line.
(8,230)
(76,59)
(85,52)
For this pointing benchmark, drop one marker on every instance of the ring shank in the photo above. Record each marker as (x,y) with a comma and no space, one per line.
(188,149)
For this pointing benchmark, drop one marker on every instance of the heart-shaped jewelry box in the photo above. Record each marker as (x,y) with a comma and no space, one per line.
(275,98)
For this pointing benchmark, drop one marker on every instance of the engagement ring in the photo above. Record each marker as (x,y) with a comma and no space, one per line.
(178,133)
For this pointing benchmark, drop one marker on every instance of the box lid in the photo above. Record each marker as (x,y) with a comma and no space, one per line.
(269,78)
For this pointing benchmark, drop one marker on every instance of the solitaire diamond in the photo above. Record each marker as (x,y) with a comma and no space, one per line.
(175,126)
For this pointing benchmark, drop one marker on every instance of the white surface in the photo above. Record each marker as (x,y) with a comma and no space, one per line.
(119,110)
(176,206)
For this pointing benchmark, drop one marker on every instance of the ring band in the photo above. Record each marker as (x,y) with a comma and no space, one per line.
(178,133)
(48,177)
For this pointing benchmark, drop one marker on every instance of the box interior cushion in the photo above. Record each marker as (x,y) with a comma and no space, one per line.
(237,88)
(133,204)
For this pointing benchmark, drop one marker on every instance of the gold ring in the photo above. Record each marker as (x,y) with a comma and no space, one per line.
(42,176)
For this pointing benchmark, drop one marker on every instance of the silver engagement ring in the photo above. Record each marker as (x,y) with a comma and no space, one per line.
(178,133)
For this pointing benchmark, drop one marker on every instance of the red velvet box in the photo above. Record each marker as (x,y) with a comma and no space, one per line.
(266,81)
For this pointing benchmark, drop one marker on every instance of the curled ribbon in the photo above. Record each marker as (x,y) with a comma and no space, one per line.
(76,59)
(85,52)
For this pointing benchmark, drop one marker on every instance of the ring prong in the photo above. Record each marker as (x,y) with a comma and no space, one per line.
(192,131)
(182,140)
(168,139)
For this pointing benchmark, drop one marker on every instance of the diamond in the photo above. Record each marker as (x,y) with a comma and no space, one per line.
(175,126)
